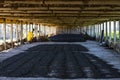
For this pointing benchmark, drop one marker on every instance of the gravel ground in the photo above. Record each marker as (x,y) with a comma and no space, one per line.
(51,61)
(66,61)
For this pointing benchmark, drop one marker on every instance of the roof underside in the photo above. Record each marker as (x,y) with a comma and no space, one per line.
(61,12)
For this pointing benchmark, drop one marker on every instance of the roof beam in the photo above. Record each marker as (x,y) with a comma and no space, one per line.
(23,2)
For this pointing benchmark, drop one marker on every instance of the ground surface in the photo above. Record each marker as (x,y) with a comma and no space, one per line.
(61,61)
(58,60)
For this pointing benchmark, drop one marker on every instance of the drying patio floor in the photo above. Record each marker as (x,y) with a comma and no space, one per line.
(65,61)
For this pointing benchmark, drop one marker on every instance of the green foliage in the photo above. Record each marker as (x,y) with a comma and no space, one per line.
(44,38)
(112,35)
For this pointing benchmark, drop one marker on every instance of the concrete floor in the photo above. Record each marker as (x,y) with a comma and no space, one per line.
(109,56)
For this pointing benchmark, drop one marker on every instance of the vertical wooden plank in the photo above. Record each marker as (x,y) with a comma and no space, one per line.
(29,26)
(39,29)
(26,25)
(36,28)
(110,34)
(94,31)
(98,31)
(119,31)
(32,26)
(4,34)
(114,33)
(17,33)
(44,30)
(91,30)
(11,33)
(103,29)
(106,30)
(21,32)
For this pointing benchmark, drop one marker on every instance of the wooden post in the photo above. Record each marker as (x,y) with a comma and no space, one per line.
(119,31)
(32,26)
(103,31)
(26,30)
(35,30)
(11,33)
(98,31)
(39,29)
(94,31)
(91,30)
(17,32)
(106,31)
(44,30)
(110,34)
(114,33)
(4,34)
(29,26)
(21,32)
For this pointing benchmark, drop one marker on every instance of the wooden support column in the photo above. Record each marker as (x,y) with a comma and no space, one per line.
(4,34)
(29,26)
(11,33)
(36,29)
(90,30)
(119,31)
(93,28)
(32,27)
(40,29)
(44,30)
(106,30)
(94,31)
(21,32)
(114,33)
(110,38)
(103,29)
(17,32)
(98,30)
(99,34)
(26,25)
